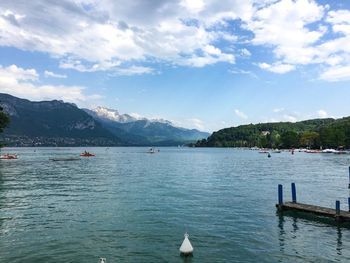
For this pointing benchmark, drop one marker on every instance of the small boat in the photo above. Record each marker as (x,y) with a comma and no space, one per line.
(313,151)
(64,159)
(276,151)
(86,154)
(186,248)
(254,148)
(329,151)
(151,150)
(8,156)
(263,151)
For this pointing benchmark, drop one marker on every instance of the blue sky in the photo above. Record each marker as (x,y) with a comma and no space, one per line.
(201,64)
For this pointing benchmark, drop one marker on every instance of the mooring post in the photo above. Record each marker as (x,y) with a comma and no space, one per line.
(337,207)
(349,178)
(280,195)
(294,193)
(349,203)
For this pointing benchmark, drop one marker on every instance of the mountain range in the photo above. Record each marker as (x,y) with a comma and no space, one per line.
(142,131)
(56,123)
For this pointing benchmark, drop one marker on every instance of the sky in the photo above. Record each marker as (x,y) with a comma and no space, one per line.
(202,64)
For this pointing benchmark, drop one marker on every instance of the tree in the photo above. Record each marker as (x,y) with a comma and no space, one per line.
(332,137)
(275,139)
(328,133)
(309,139)
(290,139)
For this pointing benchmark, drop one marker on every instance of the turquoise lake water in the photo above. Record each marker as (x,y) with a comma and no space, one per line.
(130,206)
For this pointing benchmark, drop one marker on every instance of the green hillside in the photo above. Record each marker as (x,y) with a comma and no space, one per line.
(51,123)
(316,133)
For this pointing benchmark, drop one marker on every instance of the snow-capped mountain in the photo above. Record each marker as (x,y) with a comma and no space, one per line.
(134,129)
(55,123)
(52,123)
(114,115)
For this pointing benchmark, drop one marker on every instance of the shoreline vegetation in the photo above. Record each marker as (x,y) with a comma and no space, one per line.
(309,134)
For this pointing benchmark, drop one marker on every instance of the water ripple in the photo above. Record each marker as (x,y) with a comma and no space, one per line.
(129,206)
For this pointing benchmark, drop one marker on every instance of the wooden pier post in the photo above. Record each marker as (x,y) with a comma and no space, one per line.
(337,207)
(338,218)
(280,195)
(349,203)
(294,193)
(349,178)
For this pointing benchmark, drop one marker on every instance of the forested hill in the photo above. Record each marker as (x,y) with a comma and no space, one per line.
(316,133)
(56,123)
(51,123)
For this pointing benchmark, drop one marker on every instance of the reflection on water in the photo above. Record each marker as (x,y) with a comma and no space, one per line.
(295,226)
(187,259)
(281,233)
(289,235)
(339,241)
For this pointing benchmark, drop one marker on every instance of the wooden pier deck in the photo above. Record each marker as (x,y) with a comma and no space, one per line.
(340,216)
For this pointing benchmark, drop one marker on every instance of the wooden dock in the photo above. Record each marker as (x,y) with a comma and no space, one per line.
(340,216)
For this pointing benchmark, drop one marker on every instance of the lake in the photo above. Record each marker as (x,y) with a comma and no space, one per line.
(130,206)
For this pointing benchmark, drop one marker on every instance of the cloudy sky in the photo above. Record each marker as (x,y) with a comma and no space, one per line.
(204,64)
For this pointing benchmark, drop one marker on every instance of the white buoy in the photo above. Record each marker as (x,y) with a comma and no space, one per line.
(186,247)
(102,260)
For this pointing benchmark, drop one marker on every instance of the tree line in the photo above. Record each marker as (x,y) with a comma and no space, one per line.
(312,134)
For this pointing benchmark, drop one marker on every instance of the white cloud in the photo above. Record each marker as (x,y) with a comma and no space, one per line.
(339,17)
(290,118)
(24,83)
(54,75)
(303,41)
(88,67)
(197,123)
(336,52)
(283,25)
(240,114)
(201,61)
(8,73)
(103,35)
(100,35)
(136,116)
(337,73)
(245,52)
(194,6)
(322,114)
(134,70)
(277,110)
(190,123)
(277,68)
(243,72)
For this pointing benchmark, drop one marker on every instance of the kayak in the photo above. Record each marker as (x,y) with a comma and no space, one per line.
(87,154)
(64,159)
(8,156)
